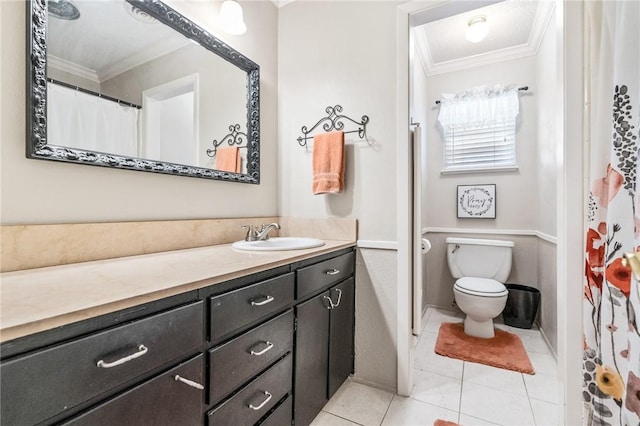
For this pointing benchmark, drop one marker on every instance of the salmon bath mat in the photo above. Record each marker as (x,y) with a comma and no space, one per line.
(440,422)
(505,350)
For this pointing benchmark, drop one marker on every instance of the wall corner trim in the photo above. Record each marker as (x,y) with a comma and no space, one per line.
(378,245)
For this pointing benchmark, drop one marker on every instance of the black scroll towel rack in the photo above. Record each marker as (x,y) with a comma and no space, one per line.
(235,137)
(334,121)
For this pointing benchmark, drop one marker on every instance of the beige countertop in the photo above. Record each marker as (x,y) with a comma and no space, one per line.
(40,299)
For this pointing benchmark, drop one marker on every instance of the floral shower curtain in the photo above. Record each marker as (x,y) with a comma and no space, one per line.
(611,363)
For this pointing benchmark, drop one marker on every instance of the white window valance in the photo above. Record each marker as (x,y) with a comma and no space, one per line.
(479,128)
(478,106)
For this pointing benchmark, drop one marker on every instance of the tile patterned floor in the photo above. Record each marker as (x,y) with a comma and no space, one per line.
(463,392)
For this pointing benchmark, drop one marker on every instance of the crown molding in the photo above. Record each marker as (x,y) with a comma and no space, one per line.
(71,68)
(280,3)
(539,27)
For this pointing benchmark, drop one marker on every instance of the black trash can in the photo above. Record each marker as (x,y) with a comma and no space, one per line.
(522,306)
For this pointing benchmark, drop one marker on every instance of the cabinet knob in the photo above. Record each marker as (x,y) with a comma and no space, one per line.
(333,271)
(142,349)
(263,403)
(188,382)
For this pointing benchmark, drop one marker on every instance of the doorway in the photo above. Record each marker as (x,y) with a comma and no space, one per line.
(568,216)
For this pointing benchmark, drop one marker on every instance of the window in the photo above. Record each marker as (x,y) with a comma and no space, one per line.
(479,130)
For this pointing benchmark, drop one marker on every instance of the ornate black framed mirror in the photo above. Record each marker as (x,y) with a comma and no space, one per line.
(136,85)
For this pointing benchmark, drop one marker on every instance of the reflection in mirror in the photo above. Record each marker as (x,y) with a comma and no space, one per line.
(135,85)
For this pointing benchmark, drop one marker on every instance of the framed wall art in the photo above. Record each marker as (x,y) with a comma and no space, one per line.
(476,201)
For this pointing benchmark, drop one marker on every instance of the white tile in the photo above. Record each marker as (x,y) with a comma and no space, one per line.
(533,341)
(495,406)
(326,419)
(436,389)
(359,403)
(473,421)
(492,377)
(426,359)
(409,412)
(543,363)
(439,316)
(542,386)
(545,413)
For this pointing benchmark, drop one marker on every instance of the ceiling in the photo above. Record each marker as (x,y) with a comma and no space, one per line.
(516,28)
(115,38)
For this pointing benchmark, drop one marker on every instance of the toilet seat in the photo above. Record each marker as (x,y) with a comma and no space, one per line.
(484,287)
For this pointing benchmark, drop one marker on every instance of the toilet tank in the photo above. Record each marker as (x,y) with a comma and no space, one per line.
(470,257)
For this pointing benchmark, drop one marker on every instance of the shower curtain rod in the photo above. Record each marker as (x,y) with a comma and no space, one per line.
(522,88)
(89,92)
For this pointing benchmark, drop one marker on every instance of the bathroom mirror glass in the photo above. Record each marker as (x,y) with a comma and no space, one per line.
(135,85)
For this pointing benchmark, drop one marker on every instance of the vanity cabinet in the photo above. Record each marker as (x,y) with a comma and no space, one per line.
(46,383)
(324,334)
(224,354)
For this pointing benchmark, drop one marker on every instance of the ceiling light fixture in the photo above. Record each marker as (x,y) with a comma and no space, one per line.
(63,9)
(231,19)
(477,29)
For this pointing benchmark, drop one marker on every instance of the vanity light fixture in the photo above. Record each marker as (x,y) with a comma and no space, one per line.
(477,29)
(230,19)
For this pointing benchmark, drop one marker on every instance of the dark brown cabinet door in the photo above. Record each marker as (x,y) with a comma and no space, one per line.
(341,324)
(312,358)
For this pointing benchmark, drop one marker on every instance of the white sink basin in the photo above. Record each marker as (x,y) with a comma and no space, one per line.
(279,243)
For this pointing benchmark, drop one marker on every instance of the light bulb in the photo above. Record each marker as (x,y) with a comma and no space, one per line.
(477,29)
(231,19)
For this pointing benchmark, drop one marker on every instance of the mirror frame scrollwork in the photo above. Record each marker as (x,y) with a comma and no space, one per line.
(37,146)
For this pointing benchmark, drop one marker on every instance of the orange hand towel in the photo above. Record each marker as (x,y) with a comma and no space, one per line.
(328,163)
(228,159)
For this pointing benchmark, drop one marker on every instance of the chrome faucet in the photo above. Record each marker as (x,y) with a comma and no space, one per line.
(263,234)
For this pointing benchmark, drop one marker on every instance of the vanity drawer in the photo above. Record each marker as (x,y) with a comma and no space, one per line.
(235,362)
(236,309)
(257,398)
(161,401)
(37,386)
(323,274)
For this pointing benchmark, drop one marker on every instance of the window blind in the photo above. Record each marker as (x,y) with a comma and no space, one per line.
(490,145)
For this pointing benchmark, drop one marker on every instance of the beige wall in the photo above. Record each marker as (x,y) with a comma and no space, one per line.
(36,191)
(516,196)
(340,52)
(350,62)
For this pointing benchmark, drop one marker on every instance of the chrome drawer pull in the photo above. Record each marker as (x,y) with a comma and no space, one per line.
(330,302)
(264,301)
(333,272)
(264,351)
(142,349)
(188,382)
(263,403)
(339,298)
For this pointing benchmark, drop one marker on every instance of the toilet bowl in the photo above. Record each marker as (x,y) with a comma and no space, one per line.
(481,267)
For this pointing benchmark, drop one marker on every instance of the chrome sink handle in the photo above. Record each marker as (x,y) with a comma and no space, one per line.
(252,233)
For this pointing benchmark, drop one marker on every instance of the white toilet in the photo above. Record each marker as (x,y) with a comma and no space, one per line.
(480,267)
